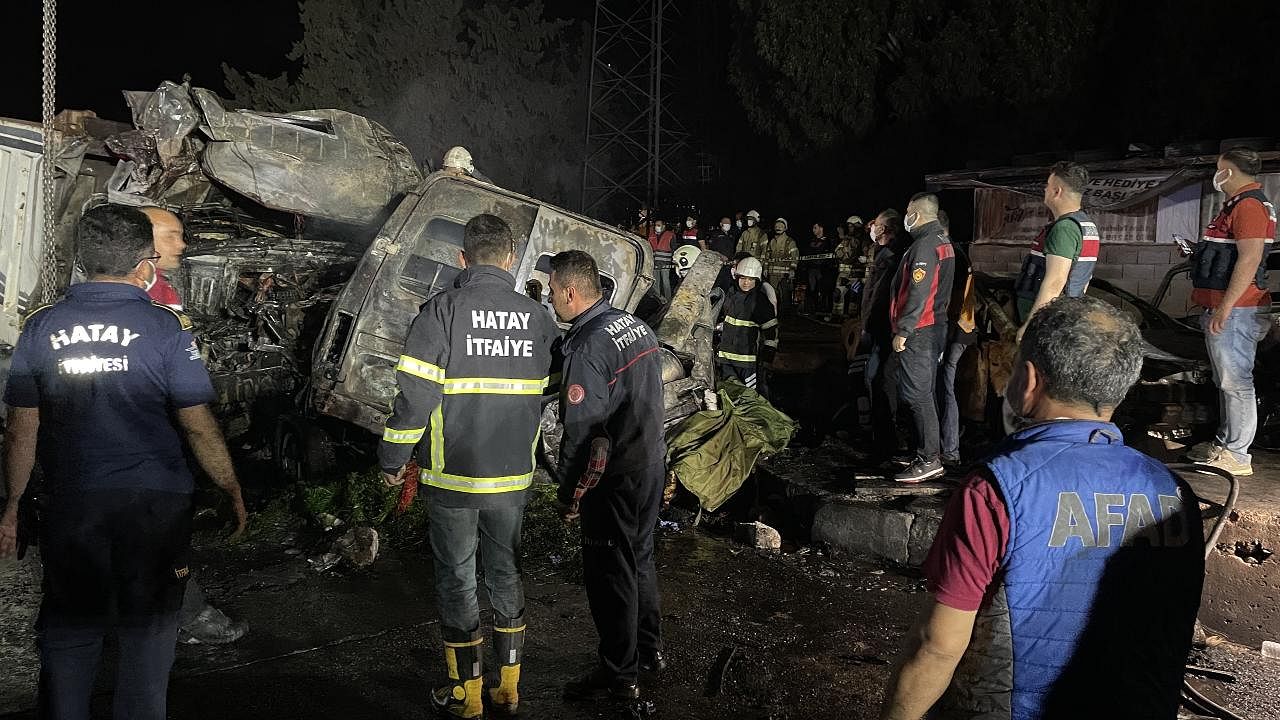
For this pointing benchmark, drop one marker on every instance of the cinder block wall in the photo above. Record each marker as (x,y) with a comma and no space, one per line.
(1138,269)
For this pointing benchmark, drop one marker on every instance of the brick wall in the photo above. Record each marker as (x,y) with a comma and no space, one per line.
(1136,268)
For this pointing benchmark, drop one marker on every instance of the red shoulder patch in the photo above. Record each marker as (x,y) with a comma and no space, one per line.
(576,394)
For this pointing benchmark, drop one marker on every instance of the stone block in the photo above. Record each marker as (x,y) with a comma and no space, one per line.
(864,529)
(1108,272)
(920,538)
(1141,272)
(1154,256)
(1122,255)
(758,535)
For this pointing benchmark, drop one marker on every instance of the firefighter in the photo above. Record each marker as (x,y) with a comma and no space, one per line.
(753,241)
(102,386)
(471,379)
(750,336)
(611,391)
(782,256)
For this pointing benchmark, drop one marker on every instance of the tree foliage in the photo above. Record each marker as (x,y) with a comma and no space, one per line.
(814,74)
(495,77)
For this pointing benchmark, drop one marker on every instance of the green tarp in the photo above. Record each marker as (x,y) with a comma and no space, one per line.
(713,451)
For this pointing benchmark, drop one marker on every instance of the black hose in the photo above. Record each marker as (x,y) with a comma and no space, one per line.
(1228,505)
(1191,697)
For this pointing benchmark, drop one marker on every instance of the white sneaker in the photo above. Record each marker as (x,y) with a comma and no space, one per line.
(1227,461)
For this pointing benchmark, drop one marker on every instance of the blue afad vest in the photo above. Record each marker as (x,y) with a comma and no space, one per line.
(1092,610)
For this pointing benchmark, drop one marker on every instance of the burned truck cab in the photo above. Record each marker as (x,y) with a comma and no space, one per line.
(416,255)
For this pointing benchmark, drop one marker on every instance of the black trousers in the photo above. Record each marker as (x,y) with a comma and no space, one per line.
(618,519)
(882,386)
(917,387)
(114,561)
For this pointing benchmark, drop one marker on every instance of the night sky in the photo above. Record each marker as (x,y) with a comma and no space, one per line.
(1225,60)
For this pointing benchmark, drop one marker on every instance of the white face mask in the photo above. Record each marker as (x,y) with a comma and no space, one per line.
(908,223)
(739,222)
(725,227)
(688,223)
(658,228)
(876,232)
(751,222)
(1220,178)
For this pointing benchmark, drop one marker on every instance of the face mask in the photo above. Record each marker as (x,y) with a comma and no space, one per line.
(724,227)
(876,232)
(658,229)
(688,223)
(1220,178)
(910,224)
(779,229)
(739,223)
(751,223)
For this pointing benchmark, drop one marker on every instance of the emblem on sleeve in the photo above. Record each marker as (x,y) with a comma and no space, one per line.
(576,394)
(917,275)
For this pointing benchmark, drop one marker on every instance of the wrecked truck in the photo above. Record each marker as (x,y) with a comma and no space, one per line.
(313,239)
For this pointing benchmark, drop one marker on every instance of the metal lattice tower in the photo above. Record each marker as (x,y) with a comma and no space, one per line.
(631,134)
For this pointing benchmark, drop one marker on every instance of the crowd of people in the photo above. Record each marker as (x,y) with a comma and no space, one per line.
(1052,547)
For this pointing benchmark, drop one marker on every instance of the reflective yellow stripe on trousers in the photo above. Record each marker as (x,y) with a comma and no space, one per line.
(736,356)
(740,323)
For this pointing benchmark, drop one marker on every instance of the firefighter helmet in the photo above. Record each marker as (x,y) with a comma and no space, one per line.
(685,256)
(750,267)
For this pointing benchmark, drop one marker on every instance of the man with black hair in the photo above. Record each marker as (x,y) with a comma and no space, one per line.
(1064,254)
(101,385)
(1229,280)
(471,379)
(1059,543)
(611,394)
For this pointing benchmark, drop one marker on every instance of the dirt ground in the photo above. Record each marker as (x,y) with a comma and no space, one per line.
(809,637)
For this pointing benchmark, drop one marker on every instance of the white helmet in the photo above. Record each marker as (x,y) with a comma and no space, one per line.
(783,221)
(458,157)
(854,220)
(750,267)
(685,256)
(754,215)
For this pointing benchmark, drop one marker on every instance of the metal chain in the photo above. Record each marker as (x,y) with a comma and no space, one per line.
(49,256)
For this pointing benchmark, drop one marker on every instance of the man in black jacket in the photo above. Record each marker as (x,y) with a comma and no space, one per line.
(611,390)
(471,379)
(882,363)
(921,291)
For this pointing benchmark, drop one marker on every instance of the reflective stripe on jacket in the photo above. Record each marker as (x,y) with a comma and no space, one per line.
(470,380)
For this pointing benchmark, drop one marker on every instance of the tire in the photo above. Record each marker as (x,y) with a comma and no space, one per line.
(303,452)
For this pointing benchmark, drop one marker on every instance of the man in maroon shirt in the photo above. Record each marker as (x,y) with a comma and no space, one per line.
(1067,570)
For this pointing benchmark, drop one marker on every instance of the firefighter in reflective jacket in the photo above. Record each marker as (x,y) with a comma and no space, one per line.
(471,381)
(612,390)
(750,335)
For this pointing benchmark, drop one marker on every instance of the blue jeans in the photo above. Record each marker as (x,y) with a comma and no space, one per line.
(456,534)
(948,407)
(1232,354)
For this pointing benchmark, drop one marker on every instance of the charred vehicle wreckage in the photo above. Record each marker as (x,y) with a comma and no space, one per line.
(312,240)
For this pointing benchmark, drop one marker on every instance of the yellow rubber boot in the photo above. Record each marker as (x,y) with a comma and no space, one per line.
(463,697)
(508,642)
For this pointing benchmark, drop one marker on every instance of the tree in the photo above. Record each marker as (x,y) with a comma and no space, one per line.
(813,75)
(495,77)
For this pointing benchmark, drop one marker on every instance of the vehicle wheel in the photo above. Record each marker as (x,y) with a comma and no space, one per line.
(303,451)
